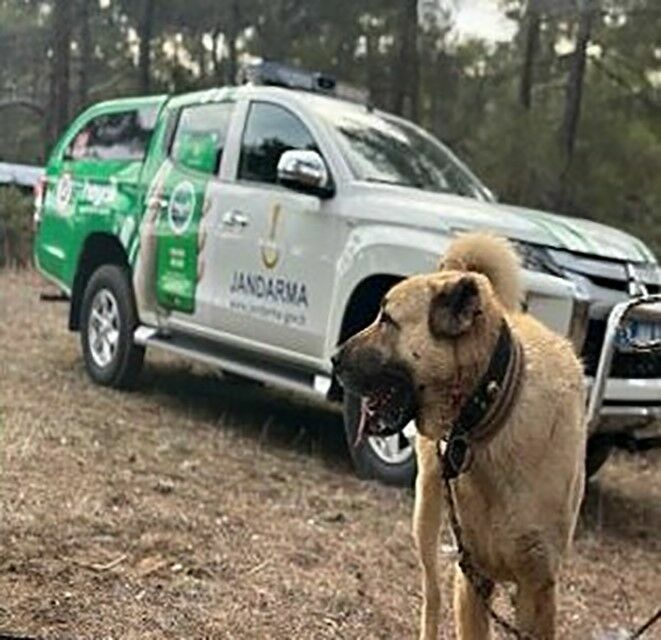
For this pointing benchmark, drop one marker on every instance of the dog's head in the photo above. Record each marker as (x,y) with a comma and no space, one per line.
(430,342)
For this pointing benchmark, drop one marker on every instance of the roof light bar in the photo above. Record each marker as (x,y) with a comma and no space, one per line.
(277,74)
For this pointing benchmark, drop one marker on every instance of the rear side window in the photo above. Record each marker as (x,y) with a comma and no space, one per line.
(270,131)
(200,138)
(115,136)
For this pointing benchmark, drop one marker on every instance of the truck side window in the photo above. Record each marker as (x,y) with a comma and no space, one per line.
(270,131)
(115,136)
(200,137)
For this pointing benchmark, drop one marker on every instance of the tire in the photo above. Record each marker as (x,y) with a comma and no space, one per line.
(598,451)
(372,461)
(108,321)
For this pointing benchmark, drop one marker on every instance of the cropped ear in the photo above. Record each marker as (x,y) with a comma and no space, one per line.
(453,310)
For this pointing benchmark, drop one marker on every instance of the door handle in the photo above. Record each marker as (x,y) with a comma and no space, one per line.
(235,218)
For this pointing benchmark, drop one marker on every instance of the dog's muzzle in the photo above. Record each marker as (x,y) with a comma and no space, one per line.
(386,391)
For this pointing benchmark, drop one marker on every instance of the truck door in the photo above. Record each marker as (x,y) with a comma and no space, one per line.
(184,285)
(94,185)
(106,161)
(274,249)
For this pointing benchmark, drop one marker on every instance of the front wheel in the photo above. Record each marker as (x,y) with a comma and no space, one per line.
(108,320)
(390,460)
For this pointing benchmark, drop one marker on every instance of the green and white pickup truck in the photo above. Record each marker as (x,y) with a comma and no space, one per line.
(254,228)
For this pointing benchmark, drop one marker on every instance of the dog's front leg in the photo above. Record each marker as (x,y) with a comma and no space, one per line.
(536,609)
(426,527)
(470,613)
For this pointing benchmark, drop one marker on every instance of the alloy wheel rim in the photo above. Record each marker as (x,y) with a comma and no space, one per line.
(103,328)
(395,449)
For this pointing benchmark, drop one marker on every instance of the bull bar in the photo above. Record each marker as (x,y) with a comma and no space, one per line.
(646,307)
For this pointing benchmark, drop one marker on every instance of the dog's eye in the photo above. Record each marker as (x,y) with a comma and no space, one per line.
(387,320)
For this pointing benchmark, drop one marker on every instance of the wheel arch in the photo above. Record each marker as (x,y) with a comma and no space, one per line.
(359,311)
(98,249)
(363,303)
(375,256)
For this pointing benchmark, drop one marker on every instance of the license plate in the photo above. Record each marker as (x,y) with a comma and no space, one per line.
(637,332)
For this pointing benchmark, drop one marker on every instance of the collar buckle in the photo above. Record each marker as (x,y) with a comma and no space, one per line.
(457,457)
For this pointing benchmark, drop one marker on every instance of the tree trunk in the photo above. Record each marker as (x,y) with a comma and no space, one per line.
(85,52)
(232,36)
(216,57)
(574,93)
(202,58)
(145,29)
(61,63)
(413,60)
(370,66)
(51,134)
(442,103)
(407,79)
(533,20)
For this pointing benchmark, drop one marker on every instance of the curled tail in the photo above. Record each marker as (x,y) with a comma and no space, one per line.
(493,257)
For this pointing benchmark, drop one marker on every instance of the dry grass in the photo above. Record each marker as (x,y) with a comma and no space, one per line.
(194,508)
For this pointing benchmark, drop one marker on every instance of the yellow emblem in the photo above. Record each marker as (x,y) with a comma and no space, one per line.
(270,251)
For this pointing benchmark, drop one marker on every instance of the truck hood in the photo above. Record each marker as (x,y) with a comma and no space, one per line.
(449,213)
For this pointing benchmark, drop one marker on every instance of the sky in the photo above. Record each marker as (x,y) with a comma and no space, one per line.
(482,19)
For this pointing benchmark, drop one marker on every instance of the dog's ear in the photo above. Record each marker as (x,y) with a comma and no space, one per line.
(453,310)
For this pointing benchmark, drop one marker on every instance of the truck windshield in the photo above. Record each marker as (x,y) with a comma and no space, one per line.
(382,148)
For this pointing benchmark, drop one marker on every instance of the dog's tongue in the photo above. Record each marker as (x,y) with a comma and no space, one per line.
(365,413)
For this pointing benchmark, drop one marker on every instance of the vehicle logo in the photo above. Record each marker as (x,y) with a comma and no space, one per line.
(270,251)
(64,193)
(182,207)
(99,195)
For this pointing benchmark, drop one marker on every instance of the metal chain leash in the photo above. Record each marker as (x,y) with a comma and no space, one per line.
(645,627)
(481,583)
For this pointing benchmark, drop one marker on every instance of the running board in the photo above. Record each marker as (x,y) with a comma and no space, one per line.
(233,361)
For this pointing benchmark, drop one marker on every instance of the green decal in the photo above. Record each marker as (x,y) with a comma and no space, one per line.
(197,151)
(64,194)
(178,243)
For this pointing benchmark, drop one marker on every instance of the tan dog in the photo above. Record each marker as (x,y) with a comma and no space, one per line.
(427,356)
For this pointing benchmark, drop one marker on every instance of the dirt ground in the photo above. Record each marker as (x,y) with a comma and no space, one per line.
(199,508)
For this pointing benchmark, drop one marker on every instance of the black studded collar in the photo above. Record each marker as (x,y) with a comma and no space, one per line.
(488,406)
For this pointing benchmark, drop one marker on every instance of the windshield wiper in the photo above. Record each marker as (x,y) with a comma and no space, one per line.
(431,188)
(395,183)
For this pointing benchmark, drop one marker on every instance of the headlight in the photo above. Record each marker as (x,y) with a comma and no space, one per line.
(535,258)
(649,274)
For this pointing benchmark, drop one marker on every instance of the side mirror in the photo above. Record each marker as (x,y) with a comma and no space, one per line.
(305,171)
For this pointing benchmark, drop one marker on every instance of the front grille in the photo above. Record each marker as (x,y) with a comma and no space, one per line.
(625,365)
(603,281)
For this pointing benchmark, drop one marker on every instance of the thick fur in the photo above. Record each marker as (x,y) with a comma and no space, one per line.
(518,502)
(491,256)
